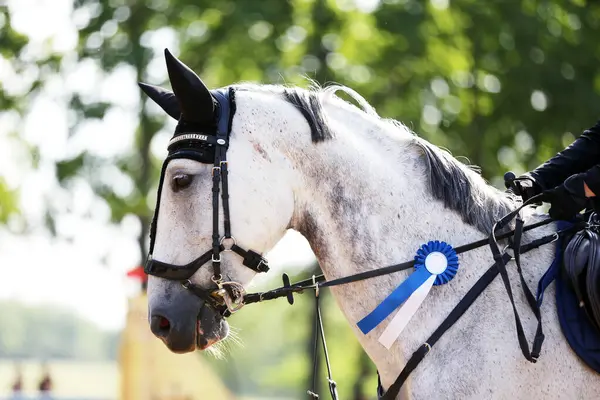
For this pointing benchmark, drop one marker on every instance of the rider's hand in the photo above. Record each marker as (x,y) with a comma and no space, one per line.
(523,186)
(568,199)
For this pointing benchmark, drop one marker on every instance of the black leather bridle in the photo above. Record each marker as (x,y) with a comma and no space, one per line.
(208,145)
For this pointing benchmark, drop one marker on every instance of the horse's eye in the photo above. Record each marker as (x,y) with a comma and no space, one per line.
(181,181)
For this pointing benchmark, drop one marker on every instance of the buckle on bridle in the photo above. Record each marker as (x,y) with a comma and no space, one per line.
(262,266)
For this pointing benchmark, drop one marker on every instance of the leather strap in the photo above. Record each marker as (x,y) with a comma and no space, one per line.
(321,335)
(532,355)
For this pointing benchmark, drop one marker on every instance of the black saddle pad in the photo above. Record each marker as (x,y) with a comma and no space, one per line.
(579,331)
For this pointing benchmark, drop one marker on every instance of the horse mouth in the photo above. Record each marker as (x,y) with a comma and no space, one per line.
(205,341)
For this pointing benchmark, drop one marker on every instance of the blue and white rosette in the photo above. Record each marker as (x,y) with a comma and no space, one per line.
(436,263)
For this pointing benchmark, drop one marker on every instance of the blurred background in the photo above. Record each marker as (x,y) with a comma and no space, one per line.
(505,84)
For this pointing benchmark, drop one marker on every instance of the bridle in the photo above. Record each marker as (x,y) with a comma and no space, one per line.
(208,144)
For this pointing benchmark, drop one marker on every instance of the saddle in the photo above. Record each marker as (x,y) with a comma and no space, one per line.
(578,290)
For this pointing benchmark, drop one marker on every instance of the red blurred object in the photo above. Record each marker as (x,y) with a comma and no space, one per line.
(138,273)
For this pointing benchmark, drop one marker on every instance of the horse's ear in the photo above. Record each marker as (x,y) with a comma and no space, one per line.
(195,100)
(164,98)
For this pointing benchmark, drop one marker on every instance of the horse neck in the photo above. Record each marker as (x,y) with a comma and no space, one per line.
(364,202)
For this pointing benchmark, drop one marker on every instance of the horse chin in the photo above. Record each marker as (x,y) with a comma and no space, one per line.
(211,328)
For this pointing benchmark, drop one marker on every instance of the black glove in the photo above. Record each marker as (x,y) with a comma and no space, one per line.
(523,186)
(568,199)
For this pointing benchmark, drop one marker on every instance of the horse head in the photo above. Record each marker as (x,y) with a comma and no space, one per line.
(206,244)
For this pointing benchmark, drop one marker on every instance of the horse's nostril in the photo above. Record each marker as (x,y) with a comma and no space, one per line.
(164,323)
(160,326)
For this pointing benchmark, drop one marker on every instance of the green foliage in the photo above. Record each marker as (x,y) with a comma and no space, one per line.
(32,70)
(87,111)
(485,66)
(8,202)
(69,168)
(11,44)
(51,333)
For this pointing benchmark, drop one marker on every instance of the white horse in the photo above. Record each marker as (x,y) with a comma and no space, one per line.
(366,193)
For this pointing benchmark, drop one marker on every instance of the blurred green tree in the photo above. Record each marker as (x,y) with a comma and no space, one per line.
(224,42)
(506,84)
(22,74)
(65,335)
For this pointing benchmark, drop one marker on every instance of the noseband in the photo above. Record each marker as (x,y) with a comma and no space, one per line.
(208,145)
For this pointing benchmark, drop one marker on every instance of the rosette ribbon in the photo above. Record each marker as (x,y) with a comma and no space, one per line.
(436,263)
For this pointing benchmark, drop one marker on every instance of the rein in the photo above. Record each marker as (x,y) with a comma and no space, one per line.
(287,290)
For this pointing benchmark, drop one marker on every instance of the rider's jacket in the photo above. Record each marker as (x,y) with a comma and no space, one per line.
(582,156)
